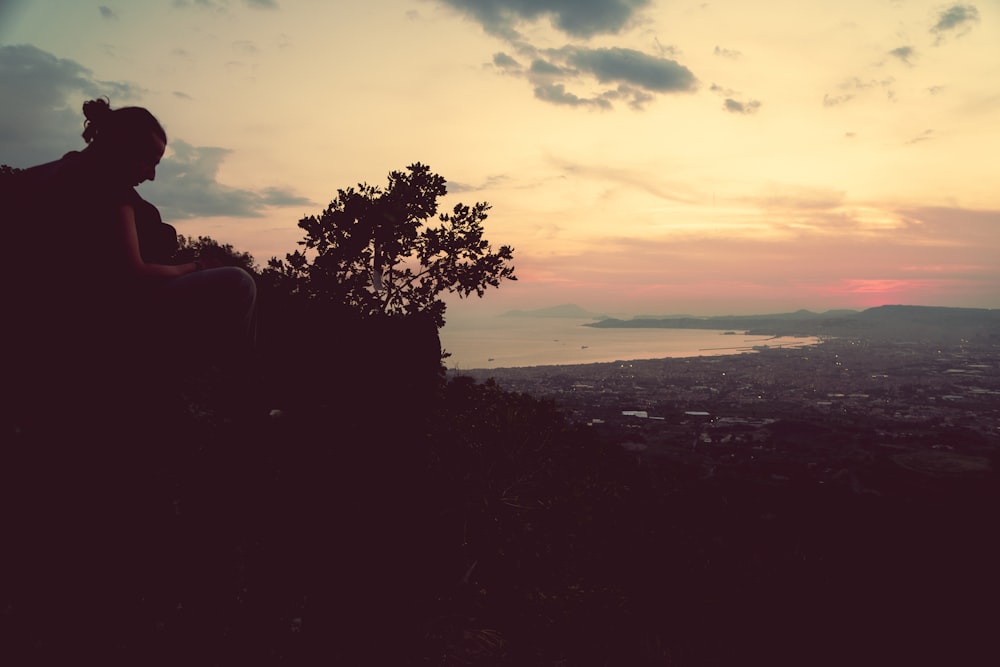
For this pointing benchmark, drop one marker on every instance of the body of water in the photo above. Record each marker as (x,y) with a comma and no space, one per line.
(511,342)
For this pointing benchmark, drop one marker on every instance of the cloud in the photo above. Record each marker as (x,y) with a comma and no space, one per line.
(107,13)
(41,116)
(505,61)
(835,255)
(652,184)
(493,181)
(204,4)
(182,95)
(542,68)
(923,136)
(727,53)
(800,197)
(668,50)
(735,106)
(620,74)
(637,99)
(957,19)
(223,5)
(829,101)
(904,53)
(42,119)
(625,74)
(555,93)
(187,186)
(628,66)
(855,86)
(577,18)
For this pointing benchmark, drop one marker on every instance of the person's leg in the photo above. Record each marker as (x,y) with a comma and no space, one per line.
(211,313)
(206,321)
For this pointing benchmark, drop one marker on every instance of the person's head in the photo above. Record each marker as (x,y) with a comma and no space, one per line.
(129,141)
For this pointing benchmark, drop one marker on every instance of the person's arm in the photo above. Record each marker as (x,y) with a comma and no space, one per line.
(128,238)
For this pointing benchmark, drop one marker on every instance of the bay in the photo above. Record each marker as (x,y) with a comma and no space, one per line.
(516,342)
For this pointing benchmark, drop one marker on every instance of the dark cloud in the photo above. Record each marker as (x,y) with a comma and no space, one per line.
(107,12)
(735,106)
(541,67)
(577,18)
(556,93)
(187,186)
(505,61)
(625,74)
(41,116)
(904,53)
(727,53)
(181,95)
(637,99)
(618,65)
(275,196)
(957,19)
(262,4)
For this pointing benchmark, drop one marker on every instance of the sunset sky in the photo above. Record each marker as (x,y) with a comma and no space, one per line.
(641,156)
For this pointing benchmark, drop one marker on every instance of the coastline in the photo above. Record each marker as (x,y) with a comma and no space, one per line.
(774,342)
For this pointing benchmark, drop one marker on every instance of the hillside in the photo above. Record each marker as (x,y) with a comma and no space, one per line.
(881,322)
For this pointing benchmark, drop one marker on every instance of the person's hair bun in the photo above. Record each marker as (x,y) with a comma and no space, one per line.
(95,112)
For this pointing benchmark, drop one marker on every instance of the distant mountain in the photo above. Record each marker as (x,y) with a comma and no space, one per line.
(886,322)
(565,310)
(746,322)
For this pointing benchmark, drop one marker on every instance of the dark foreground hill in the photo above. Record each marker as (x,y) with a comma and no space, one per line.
(468,525)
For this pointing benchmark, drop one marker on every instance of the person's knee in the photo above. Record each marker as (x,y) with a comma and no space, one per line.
(237,283)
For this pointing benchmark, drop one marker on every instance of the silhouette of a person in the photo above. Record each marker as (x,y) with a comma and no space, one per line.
(103,288)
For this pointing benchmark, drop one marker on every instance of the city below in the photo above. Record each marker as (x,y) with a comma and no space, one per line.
(878,405)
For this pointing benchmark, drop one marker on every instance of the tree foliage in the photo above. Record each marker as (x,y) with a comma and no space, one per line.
(190,248)
(373,250)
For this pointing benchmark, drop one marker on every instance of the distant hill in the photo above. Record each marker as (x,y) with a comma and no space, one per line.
(895,322)
(568,310)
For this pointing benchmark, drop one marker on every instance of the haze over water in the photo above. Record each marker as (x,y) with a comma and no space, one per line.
(511,342)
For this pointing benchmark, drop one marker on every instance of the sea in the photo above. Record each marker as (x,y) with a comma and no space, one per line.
(517,342)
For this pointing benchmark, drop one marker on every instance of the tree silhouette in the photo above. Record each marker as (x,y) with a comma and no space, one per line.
(372,250)
(190,248)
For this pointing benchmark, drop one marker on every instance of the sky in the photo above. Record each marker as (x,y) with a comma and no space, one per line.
(641,156)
